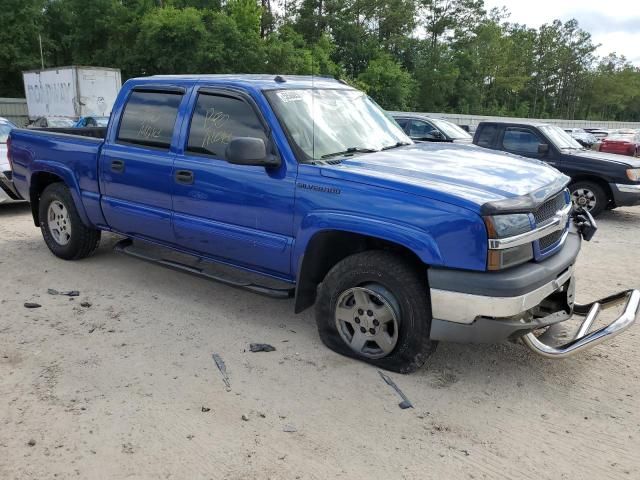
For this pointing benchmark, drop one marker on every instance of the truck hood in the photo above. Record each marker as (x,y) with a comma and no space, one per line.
(463,175)
(605,157)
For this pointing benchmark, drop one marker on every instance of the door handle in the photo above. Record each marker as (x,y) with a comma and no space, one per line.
(117,166)
(185,177)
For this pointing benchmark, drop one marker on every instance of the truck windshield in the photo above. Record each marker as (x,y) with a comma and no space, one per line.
(324,123)
(561,139)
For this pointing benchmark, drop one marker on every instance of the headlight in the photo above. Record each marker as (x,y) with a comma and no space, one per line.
(634,174)
(503,226)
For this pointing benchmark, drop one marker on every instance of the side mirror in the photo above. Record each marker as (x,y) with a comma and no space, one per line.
(543,148)
(250,151)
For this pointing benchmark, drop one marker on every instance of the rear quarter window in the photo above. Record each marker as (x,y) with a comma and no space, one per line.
(149,118)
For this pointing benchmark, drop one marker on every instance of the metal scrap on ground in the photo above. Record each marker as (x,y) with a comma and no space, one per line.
(223,370)
(405,403)
(261,347)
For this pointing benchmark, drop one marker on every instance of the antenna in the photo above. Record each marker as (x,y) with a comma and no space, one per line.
(313,96)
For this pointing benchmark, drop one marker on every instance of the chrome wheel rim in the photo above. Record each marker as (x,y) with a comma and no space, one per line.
(367,321)
(59,222)
(584,198)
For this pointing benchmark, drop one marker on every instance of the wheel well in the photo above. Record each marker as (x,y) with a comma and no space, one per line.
(599,181)
(39,182)
(326,249)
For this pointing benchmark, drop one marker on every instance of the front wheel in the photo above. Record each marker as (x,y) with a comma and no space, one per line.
(374,306)
(62,229)
(589,196)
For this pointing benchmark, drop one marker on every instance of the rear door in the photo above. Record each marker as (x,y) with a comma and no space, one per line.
(239,213)
(136,166)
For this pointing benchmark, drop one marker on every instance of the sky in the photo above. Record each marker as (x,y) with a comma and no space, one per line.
(615,24)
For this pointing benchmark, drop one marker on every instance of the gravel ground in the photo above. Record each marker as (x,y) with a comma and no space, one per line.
(119,382)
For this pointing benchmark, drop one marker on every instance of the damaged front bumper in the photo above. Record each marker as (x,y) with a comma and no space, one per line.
(582,339)
(480,307)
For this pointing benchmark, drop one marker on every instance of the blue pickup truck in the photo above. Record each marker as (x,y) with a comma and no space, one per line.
(301,186)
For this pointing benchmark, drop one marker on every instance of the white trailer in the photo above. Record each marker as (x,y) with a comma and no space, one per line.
(71,91)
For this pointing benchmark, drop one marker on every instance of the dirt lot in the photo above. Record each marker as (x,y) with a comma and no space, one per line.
(118,388)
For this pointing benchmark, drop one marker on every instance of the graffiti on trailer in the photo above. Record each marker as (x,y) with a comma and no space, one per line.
(51,92)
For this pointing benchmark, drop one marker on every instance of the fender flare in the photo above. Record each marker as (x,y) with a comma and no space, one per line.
(416,240)
(69,179)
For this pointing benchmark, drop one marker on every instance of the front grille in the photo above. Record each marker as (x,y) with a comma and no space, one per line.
(549,240)
(549,208)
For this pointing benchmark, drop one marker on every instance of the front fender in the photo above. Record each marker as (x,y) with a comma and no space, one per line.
(63,172)
(416,240)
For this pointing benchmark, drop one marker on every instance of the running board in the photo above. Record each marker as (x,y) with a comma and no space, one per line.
(206,269)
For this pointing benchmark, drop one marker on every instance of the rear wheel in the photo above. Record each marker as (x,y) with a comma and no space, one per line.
(589,196)
(62,229)
(374,306)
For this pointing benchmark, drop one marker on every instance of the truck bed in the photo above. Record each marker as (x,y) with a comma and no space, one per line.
(73,157)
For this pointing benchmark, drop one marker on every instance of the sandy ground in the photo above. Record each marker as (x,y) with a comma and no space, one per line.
(117,389)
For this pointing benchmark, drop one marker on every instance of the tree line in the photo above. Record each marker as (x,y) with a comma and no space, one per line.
(425,55)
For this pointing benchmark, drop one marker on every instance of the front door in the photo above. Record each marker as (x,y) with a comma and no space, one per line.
(236,213)
(136,169)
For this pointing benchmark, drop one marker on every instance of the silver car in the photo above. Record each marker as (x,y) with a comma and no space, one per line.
(8,193)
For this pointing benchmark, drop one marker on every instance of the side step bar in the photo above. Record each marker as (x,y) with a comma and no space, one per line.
(206,269)
(583,340)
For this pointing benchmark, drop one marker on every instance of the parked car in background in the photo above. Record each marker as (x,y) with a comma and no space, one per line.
(8,193)
(84,122)
(421,128)
(584,138)
(52,122)
(598,180)
(312,191)
(623,142)
(599,133)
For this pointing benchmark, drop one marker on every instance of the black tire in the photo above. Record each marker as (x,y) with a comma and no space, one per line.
(601,198)
(396,280)
(82,241)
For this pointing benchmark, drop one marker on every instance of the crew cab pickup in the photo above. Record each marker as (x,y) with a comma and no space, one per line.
(599,181)
(301,186)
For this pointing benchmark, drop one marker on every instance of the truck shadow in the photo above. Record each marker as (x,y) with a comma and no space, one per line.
(9,210)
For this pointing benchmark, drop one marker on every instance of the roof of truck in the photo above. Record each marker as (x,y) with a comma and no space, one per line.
(515,123)
(259,81)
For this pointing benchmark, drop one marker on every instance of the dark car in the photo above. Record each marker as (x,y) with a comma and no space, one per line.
(598,180)
(426,129)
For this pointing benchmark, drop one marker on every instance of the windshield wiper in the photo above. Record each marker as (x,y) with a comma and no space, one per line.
(396,145)
(350,150)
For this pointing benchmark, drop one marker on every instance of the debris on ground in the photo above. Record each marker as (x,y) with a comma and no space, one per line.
(86,304)
(245,417)
(223,370)
(71,293)
(31,443)
(32,305)
(53,291)
(405,403)
(261,347)
(206,409)
(289,429)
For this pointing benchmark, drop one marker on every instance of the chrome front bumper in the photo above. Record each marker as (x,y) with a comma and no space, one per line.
(465,308)
(582,339)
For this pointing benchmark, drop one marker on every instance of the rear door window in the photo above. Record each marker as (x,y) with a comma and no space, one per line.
(520,141)
(219,118)
(487,136)
(149,118)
